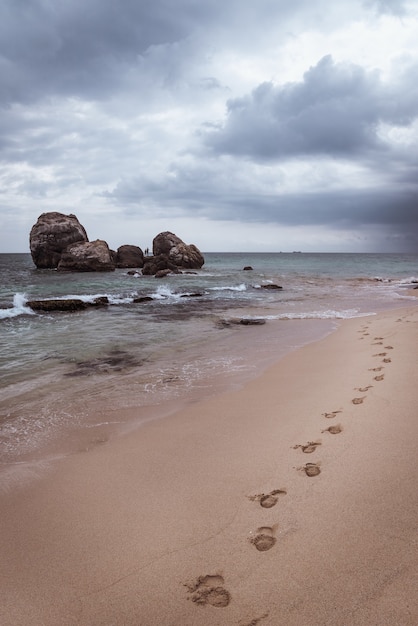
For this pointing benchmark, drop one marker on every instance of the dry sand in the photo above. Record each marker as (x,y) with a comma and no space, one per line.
(208,517)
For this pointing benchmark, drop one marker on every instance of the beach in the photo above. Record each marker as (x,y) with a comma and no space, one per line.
(288,500)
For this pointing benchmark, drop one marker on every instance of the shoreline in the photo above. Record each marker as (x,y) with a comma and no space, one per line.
(168,524)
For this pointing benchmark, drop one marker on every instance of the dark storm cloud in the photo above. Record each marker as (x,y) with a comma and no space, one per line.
(336,110)
(89,48)
(83,47)
(221,194)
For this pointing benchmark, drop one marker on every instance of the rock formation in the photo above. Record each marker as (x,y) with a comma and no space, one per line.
(129,256)
(179,253)
(51,235)
(93,256)
(59,241)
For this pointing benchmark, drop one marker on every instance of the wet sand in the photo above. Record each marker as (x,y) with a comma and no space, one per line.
(292,501)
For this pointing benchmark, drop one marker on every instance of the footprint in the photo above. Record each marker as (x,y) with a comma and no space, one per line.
(311,469)
(381,354)
(378,378)
(358,400)
(377,343)
(330,415)
(334,430)
(209,590)
(387,360)
(363,389)
(377,338)
(254,621)
(264,539)
(309,447)
(376,369)
(388,347)
(268,500)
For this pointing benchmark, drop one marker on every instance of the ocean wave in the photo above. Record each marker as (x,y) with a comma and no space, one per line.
(241,287)
(19,307)
(163,292)
(319,315)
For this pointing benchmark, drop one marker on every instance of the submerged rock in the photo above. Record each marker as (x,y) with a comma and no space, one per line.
(252,321)
(69,304)
(72,304)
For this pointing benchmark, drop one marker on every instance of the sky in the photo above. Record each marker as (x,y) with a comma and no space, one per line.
(239,125)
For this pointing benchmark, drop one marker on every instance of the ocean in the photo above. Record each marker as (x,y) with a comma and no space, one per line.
(70,381)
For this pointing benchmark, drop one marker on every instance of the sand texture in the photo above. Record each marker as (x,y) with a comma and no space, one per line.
(291,501)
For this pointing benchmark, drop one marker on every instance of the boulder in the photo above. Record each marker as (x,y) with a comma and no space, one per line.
(93,256)
(68,304)
(271,286)
(247,267)
(158,263)
(141,299)
(129,256)
(51,235)
(162,273)
(179,253)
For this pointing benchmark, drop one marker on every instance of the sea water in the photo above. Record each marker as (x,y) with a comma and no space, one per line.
(75,379)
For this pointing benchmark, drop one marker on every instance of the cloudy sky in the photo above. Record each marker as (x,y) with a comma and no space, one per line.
(240,125)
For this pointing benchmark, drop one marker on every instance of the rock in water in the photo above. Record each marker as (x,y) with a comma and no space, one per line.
(51,235)
(159,263)
(93,256)
(129,256)
(179,253)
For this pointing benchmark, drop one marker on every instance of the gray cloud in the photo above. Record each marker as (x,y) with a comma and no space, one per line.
(336,110)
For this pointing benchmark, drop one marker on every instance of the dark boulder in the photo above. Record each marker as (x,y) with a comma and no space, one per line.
(244,321)
(51,235)
(69,304)
(252,321)
(247,267)
(154,264)
(162,273)
(271,286)
(179,253)
(141,299)
(129,256)
(72,304)
(93,256)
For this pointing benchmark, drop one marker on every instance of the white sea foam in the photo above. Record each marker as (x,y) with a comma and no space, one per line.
(329,314)
(241,287)
(19,307)
(163,292)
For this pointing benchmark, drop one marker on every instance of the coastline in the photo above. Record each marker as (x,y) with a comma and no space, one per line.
(163,525)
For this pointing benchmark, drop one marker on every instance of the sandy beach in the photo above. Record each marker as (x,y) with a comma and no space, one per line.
(291,500)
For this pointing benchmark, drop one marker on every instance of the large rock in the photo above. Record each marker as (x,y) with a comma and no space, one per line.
(179,253)
(129,256)
(159,263)
(51,235)
(93,256)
